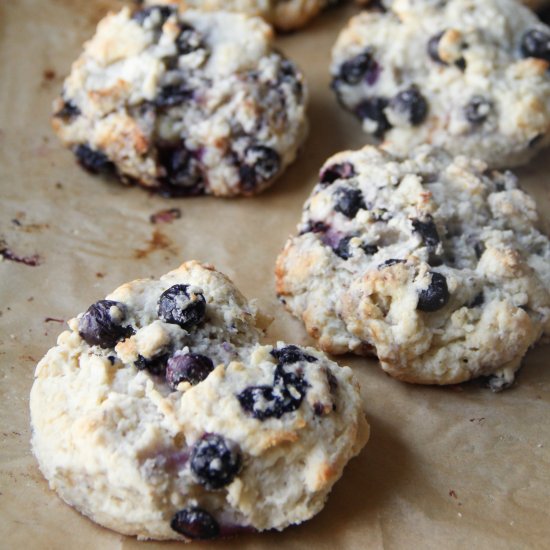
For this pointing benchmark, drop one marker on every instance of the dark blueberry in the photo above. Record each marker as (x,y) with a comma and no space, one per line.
(214,461)
(342,248)
(182,170)
(288,73)
(461,64)
(332,382)
(344,170)
(173,94)
(427,230)
(291,354)
(479,249)
(349,201)
(478,109)
(68,111)
(318,409)
(289,390)
(411,103)
(361,66)
(369,249)
(286,394)
(390,262)
(477,301)
(260,402)
(433,47)
(260,164)
(192,368)
(536,43)
(314,227)
(98,328)
(188,40)
(373,109)
(195,523)
(177,307)
(436,261)
(95,162)
(155,365)
(164,12)
(436,295)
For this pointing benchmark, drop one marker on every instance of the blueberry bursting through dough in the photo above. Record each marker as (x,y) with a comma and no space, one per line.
(472,77)
(183,103)
(159,414)
(432,262)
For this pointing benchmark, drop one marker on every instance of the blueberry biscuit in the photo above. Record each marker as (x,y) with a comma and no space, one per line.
(285,15)
(432,262)
(384,4)
(159,414)
(185,104)
(465,75)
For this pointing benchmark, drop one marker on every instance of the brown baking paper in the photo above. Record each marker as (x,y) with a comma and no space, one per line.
(456,467)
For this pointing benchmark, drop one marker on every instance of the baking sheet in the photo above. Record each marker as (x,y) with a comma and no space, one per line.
(445,468)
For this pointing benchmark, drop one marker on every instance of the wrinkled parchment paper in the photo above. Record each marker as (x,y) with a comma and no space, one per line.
(454,467)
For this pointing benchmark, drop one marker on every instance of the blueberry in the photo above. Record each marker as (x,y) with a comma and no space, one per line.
(343,170)
(536,43)
(162,12)
(214,461)
(260,402)
(98,328)
(188,40)
(435,296)
(318,409)
(349,201)
(94,161)
(373,109)
(369,249)
(155,365)
(433,47)
(180,307)
(390,262)
(478,109)
(173,94)
(477,301)
(291,354)
(195,523)
(411,103)
(342,248)
(192,368)
(361,66)
(260,164)
(286,394)
(314,227)
(427,230)
(182,170)
(479,249)
(289,388)
(68,111)
(288,73)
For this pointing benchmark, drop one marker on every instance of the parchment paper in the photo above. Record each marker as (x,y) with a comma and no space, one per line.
(454,467)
